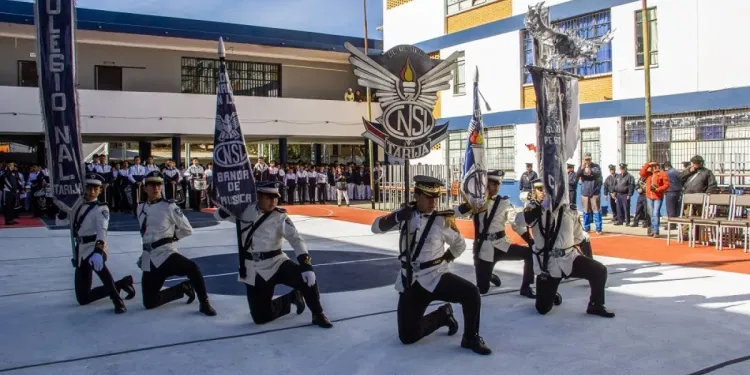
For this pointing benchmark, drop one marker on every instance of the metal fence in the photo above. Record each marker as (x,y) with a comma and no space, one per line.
(392,186)
(721,137)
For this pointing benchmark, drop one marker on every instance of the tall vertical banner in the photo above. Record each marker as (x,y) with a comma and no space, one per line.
(557,131)
(474,184)
(232,176)
(56,65)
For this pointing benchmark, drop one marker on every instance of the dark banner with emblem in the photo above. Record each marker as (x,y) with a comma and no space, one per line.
(56,64)
(232,175)
(406,82)
(557,128)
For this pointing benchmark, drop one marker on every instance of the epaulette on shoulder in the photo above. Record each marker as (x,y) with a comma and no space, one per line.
(449,219)
(282,210)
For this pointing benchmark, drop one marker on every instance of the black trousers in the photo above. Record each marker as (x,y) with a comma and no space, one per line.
(175,265)
(138,194)
(264,309)
(9,206)
(311,190)
(302,189)
(572,195)
(290,189)
(195,199)
(641,212)
(322,193)
(623,208)
(583,268)
(413,325)
(483,268)
(613,205)
(84,278)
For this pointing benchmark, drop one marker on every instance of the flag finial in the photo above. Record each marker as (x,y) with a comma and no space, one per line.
(222,51)
(476,74)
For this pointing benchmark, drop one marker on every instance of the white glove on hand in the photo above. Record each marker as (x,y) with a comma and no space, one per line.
(97,262)
(309,278)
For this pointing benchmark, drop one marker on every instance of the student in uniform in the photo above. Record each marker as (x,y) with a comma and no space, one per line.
(90,223)
(264,226)
(491,244)
(162,224)
(431,279)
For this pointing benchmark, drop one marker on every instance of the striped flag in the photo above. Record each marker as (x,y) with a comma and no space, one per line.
(474,184)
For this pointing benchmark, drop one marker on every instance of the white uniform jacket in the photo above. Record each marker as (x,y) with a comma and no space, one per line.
(564,252)
(159,220)
(442,232)
(269,236)
(93,227)
(504,215)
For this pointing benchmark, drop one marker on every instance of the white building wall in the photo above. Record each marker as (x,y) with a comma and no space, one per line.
(413,22)
(698,47)
(147,113)
(522,6)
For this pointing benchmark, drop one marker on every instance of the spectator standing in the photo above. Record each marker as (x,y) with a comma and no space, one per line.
(609,184)
(623,191)
(641,211)
(697,178)
(572,184)
(673,196)
(657,184)
(591,185)
(349,95)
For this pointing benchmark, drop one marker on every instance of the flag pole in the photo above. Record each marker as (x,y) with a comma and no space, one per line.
(647,76)
(371,163)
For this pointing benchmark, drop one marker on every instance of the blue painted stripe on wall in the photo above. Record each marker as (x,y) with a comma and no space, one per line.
(17,12)
(688,102)
(557,12)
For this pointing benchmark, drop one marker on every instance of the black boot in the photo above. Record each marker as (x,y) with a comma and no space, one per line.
(126,285)
(528,292)
(120,306)
(476,344)
(558,299)
(206,308)
(450,320)
(187,288)
(495,280)
(299,301)
(320,320)
(598,309)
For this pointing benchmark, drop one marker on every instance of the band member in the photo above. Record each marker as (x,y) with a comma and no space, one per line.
(136,174)
(302,184)
(90,223)
(341,190)
(561,258)
(322,183)
(150,166)
(172,179)
(11,183)
(261,170)
(91,167)
(491,245)
(195,176)
(162,224)
(428,269)
(524,184)
(264,227)
(312,182)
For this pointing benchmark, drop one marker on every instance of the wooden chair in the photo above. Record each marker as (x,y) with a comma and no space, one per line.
(690,202)
(717,210)
(739,221)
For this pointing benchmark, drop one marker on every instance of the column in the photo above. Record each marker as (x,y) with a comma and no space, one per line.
(41,154)
(144,150)
(176,150)
(375,156)
(367,152)
(187,155)
(282,151)
(318,153)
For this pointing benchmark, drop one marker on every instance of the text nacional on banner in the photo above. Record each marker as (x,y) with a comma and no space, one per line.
(56,64)
(232,177)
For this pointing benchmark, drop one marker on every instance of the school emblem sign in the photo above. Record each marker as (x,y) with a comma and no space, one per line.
(407,82)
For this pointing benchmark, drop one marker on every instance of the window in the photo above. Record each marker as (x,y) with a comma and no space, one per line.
(248,78)
(653,37)
(108,78)
(589,26)
(722,137)
(456,6)
(27,74)
(459,75)
(591,142)
(500,152)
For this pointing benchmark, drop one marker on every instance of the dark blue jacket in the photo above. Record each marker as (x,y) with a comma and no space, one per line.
(591,184)
(675,184)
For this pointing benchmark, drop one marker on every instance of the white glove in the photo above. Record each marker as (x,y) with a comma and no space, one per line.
(97,262)
(586,236)
(309,278)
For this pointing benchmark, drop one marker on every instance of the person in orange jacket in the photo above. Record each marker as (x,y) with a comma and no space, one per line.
(657,184)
